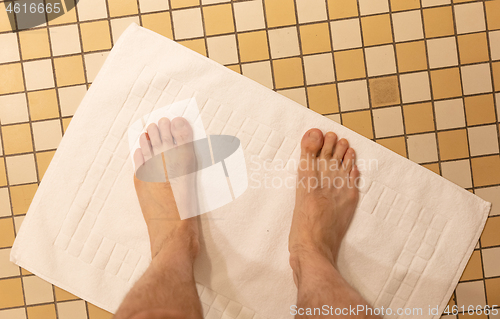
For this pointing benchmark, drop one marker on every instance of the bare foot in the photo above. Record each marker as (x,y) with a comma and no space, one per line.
(326,196)
(167,232)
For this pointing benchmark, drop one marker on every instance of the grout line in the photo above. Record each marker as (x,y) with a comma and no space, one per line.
(271,66)
(301,51)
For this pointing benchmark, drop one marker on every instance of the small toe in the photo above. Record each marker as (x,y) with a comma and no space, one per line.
(181,131)
(348,160)
(354,176)
(147,153)
(155,139)
(311,143)
(328,145)
(165,132)
(340,149)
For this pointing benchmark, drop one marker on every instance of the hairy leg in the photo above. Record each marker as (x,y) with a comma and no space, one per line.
(325,203)
(167,289)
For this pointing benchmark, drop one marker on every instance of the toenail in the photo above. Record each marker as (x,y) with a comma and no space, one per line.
(179,123)
(314,135)
(343,142)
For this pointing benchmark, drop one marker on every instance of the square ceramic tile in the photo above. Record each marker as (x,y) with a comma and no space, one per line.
(491,259)
(153,5)
(334,117)
(249,15)
(222,49)
(407,26)
(298,95)
(21,197)
(68,17)
(4,202)
(470,293)
(6,235)
(432,3)
(353,95)
(438,22)
(469,17)
(161,23)
(388,121)
(13,108)
(415,87)
(93,63)
(442,52)
(187,23)
(17,139)
(483,140)
(38,74)
(70,98)
(119,25)
(384,91)
(42,311)
(27,20)
(349,64)
(37,290)
(118,8)
(16,313)
(5,18)
(98,313)
(360,122)
(69,70)
(288,73)
(175,4)
(311,10)
(401,5)
(492,15)
(497,99)
(492,195)
(457,172)
(218,19)
(280,13)
(91,10)
(47,134)
(315,38)
(411,56)
(491,236)
(346,34)
(18,220)
(7,268)
(484,170)
(319,68)
(284,42)
(480,109)
(253,46)
(419,118)
(476,78)
(3,173)
(65,40)
(42,161)
(380,60)
(259,72)
(43,105)
(422,148)
(95,36)
(395,144)
(72,310)
(373,6)
(11,78)
(446,83)
(339,9)
(34,44)
(495,45)
(21,169)
(449,114)
(453,144)
(63,295)
(10,49)
(474,268)
(323,98)
(376,29)
(473,48)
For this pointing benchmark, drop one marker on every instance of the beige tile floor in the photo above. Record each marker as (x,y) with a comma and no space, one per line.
(420,77)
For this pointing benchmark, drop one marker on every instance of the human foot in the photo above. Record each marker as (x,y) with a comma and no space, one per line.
(167,232)
(326,196)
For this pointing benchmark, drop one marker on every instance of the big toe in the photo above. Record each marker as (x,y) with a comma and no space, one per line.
(311,143)
(181,131)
